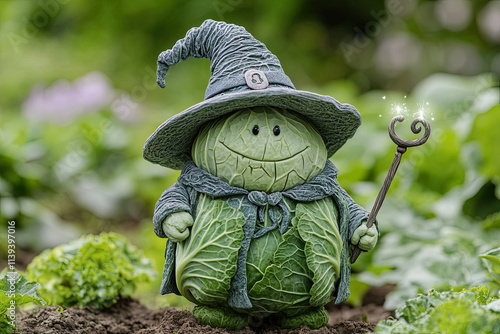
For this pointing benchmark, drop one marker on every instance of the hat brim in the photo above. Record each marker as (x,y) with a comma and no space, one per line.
(170,145)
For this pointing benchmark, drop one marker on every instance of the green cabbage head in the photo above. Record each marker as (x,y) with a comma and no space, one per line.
(262,148)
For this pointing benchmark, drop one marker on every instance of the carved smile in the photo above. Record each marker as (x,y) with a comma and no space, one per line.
(264,160)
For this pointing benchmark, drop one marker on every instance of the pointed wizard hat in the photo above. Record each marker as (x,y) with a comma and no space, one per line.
(245,74)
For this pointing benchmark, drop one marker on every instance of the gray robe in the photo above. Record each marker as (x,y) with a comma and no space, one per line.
(182,197)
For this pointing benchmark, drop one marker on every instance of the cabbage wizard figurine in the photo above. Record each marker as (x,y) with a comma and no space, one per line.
(257,225)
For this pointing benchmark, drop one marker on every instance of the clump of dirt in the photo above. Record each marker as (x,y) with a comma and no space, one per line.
(183,322)
(126,316)
(372,309)
(129,316)
(368,313)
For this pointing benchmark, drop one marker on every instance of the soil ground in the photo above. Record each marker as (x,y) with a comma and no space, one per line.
(129,316)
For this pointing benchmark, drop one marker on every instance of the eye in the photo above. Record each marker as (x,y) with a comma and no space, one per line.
(255,130)
(276,130)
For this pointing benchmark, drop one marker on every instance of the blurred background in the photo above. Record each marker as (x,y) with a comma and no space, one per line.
(79,98)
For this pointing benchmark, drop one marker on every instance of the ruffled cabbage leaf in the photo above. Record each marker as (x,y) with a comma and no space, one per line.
(287,281)
(318,227)
(260,254)
(206,261)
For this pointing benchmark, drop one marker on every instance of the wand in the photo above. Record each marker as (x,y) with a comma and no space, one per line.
(402,146)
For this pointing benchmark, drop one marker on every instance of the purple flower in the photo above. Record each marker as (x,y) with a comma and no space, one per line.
(64,101)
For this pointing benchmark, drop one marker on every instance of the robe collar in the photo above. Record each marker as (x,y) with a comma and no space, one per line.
(319,187)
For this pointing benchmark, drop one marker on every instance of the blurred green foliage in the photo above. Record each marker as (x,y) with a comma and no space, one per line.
(466,312)
(79,100)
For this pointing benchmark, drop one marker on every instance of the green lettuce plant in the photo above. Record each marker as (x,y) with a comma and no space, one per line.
(469,312)
(15,291)
(93,270)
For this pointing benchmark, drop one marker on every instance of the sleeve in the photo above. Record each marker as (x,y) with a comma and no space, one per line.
(352,215)
(174,199)
(357,214)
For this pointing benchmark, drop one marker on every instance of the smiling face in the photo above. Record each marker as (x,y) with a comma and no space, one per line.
(262,148)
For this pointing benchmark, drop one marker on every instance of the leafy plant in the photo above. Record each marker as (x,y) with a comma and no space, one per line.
(469,312)
(93,270)
(15,290)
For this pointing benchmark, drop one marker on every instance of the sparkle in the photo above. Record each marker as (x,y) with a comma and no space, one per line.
(379,115)
(400,109)
(423,111)
(417,110)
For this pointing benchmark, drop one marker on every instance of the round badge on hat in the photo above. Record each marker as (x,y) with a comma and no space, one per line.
(256,79)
